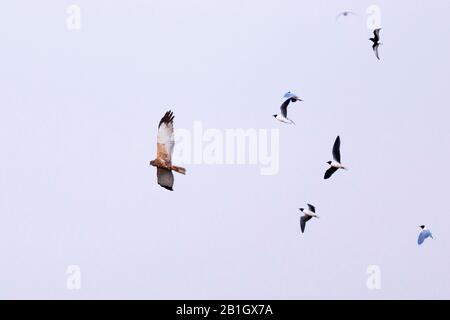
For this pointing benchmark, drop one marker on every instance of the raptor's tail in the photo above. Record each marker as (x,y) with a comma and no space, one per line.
(179,169)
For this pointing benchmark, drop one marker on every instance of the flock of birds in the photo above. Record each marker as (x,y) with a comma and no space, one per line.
(166,143)
(334,164)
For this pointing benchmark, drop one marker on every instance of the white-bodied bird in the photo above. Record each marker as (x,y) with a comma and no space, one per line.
(336,163)
(282,117)
(424,233)
(307,215)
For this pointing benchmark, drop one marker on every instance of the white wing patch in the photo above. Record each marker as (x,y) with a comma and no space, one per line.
(166,139)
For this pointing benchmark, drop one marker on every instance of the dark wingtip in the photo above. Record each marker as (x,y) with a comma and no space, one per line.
(167,118)
(166,187)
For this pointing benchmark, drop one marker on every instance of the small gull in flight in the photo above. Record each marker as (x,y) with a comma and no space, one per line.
(345,14)
(290,97)
(424,233)
(307,215)
(336,163)
(376,42)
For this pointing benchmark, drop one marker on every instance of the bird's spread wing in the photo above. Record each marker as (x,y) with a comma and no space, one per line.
(284,106)
(376,33)
(375,49)
(336,149)
(303,221)
(311,208)
(165,178)
(423,235)
(330,172)
(165,140)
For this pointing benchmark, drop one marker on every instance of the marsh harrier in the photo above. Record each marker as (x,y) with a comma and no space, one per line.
(165,145)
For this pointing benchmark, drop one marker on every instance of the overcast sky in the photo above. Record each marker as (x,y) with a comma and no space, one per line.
(78,124)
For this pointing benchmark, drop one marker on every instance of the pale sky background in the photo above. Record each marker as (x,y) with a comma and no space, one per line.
(79,113)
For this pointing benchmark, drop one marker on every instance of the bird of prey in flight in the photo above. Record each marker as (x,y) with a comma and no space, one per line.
(165,145)
(336,163)
(290,97)
(376,42)
(307,215)
(424,233)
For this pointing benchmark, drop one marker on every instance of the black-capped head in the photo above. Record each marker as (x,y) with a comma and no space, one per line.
(422,227)
(301,209)
(329,162)
(275,115)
